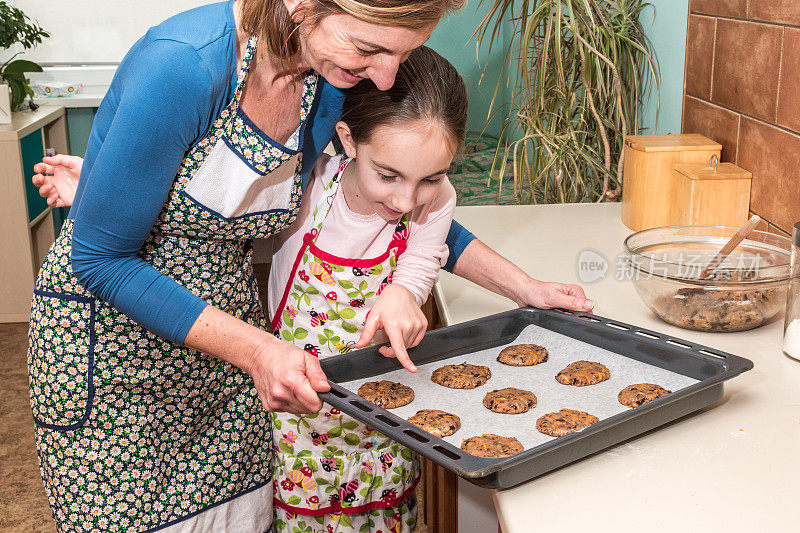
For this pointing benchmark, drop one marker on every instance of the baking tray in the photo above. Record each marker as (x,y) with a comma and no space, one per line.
(695,372)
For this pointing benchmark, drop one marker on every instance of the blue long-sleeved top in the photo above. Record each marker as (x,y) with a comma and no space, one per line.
(164,97)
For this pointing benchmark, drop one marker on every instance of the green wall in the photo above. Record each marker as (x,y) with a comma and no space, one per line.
(451,38)
(667,32)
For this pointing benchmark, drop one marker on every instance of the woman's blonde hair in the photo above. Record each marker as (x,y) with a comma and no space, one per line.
(270,21)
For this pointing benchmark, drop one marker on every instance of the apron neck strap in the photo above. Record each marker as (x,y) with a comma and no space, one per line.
(325,202)
(247,61)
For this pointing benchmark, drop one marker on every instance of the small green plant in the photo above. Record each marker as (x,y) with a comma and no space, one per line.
(17,28)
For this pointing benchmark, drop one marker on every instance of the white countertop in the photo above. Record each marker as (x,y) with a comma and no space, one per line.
(26,122)
(732,467)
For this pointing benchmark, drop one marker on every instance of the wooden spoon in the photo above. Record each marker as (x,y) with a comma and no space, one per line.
(744,231)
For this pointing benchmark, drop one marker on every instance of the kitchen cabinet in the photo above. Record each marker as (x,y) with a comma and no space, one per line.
(79,127)
(27,226)
(438,503)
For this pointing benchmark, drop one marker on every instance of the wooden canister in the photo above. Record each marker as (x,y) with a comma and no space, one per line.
(711,194)
(649,181)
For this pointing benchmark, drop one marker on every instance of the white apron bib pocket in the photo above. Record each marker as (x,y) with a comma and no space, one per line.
(229,186)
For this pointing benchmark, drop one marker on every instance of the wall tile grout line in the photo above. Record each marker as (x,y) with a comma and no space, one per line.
(761,120)
(713,60)
(754,21)
(738,136)
(758,22)
(703,16)
(780,75)
(685,70)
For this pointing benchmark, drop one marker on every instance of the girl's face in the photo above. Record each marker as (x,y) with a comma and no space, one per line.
(346,50)
(400,168)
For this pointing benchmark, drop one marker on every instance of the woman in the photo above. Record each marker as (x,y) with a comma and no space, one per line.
(151,367)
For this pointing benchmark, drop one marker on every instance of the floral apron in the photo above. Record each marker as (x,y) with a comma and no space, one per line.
(133,432)
(333,473)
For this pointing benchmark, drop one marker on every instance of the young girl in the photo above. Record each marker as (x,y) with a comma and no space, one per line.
(374,220)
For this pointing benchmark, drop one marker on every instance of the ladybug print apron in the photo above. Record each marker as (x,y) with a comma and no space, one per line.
(333,473)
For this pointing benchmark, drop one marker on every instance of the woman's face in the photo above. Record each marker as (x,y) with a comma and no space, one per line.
(345,50)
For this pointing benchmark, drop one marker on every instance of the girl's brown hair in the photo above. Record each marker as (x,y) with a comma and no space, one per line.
(427,87)
(270,21)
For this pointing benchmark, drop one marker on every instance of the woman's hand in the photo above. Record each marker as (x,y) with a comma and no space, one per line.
(286,377)
(57,179)
(397,313)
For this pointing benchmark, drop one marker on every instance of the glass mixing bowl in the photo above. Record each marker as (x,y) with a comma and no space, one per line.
(746,290)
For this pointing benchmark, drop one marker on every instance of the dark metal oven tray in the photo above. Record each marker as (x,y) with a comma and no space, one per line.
(708,369)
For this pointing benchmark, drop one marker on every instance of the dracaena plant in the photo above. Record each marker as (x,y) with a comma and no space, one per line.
(579,72)
(17,28)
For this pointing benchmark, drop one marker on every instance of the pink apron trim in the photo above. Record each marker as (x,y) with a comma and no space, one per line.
(337,507)
(276,319)
(308,243)
(400,244)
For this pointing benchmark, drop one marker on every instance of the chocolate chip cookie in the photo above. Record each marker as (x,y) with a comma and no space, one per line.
(635,395)
(582,373)
(386,394)
(509,401)
(523,355)
(563,422)
(463,376)
(436,422)
(490,445)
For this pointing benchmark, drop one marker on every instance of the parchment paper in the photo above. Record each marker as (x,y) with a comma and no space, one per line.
(599,400)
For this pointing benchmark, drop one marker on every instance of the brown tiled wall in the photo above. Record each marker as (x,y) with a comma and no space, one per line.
(742,89)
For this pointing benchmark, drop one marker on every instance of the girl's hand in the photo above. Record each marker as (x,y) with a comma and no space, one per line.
(397,313)
(57,179)
(547,295)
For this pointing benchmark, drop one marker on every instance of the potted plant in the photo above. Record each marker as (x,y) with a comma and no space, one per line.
(579,71)
(17,28)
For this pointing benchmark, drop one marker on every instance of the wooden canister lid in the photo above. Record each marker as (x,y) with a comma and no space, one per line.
(671,143)
(724,171)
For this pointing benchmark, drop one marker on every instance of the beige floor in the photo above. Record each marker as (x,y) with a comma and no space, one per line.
(22,498)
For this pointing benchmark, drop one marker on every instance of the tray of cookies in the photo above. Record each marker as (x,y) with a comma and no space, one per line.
(504,399)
